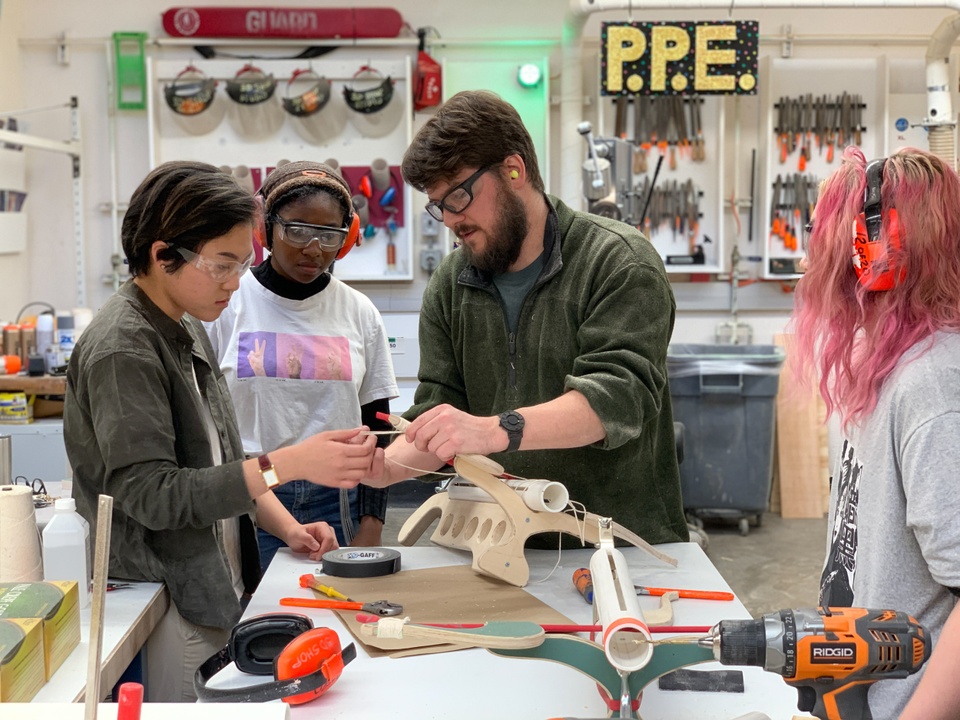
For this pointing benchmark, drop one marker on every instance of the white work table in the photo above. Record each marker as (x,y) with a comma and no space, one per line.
(129,616)
(477,684)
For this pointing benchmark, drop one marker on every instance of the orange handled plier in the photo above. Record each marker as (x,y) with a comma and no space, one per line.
(383,608)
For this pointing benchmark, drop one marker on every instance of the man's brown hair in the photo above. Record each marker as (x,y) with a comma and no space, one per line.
(473,129)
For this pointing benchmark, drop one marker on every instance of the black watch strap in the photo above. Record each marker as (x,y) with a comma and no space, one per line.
(512,422)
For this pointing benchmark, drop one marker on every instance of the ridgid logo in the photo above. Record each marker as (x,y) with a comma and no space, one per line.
(833,653)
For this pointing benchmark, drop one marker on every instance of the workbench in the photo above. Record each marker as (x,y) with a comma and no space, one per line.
(474,683)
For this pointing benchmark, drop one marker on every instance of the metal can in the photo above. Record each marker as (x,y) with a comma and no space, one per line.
(28,342)
(11,339)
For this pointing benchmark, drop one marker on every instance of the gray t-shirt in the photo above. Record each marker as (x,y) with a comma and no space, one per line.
(894,539)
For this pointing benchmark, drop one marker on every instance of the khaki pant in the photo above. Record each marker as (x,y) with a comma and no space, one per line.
(174,651)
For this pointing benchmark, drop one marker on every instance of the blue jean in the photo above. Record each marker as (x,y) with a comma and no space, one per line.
(307,503)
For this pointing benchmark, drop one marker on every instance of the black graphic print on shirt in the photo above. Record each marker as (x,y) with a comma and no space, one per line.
(836,585)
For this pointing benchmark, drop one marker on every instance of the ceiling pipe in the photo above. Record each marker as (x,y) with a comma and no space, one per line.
(939,106)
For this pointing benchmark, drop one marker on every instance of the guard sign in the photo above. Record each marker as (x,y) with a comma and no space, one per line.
(678,58)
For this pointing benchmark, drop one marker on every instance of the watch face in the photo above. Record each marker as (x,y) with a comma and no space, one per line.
(511,421)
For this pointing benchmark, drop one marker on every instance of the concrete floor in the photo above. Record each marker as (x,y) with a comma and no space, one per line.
(775,566)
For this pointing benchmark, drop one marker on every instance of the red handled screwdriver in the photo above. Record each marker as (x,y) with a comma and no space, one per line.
(583,581)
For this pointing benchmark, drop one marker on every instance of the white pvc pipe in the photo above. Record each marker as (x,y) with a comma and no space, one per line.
(539,495)
(627,642)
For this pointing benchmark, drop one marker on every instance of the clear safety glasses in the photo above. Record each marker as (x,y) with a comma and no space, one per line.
(300,235)
(220,269)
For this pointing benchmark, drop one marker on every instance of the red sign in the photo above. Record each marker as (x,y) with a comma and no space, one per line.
(275,22)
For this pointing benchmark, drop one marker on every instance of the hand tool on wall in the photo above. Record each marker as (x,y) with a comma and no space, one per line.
(843,135)
(692,199)
(696,128)
(781,129)
(650,190)
(673,132)
(639,136)
(663,112)
(753,193)
(830,655)
(857,119)
(776,225)
(620,122)
(833,123)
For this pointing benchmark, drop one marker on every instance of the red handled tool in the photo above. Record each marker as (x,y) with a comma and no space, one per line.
(691,594)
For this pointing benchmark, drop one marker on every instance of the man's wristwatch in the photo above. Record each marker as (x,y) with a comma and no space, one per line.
(512,422)
(267,472)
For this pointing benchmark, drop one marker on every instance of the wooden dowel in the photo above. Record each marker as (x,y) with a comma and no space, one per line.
(100,568)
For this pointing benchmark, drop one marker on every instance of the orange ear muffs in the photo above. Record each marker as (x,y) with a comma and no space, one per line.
(875,261)
(314,650)
(260,222)
(353,234)
(875,253)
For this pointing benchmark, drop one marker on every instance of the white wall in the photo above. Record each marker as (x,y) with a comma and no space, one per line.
(14,268)
(50,266)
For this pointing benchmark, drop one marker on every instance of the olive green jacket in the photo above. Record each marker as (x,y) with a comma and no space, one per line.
(134,428)
(598,320)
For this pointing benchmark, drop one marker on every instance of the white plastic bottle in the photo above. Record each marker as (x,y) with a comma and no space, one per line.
(66,547)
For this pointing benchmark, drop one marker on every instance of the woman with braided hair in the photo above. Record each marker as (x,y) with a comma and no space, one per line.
(303,352)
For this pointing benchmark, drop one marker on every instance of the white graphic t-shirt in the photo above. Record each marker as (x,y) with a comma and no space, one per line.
(297,367)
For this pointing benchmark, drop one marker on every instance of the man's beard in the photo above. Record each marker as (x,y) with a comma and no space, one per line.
(505,240)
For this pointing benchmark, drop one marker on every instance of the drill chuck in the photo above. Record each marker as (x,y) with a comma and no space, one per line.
(742,642)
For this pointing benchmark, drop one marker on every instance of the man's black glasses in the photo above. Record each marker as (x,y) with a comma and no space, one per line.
(456,200)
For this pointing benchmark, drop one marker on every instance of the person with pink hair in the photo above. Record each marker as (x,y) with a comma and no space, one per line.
(878,319)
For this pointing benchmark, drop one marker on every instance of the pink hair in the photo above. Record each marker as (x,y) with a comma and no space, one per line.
(855,337)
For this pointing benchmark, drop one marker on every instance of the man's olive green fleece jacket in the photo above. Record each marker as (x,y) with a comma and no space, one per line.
(598,320)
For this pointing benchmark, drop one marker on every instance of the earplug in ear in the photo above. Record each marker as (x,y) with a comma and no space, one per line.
(514,174)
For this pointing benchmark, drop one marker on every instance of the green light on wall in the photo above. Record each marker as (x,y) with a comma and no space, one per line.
(529,75)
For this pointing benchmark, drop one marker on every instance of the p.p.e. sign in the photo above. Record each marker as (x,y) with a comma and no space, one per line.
(678,58)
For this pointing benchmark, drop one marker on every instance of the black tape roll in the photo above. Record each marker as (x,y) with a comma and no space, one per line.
(361,562)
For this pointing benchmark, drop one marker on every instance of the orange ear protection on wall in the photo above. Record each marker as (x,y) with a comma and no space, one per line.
(875,259)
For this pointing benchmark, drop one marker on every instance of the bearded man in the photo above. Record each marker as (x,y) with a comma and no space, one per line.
(544,335)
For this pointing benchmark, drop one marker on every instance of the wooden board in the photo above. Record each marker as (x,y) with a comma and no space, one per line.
(800,437)
(453,594)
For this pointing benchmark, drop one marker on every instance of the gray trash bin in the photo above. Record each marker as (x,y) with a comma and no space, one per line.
(725,396)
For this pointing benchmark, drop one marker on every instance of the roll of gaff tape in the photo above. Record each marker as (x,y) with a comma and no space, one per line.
(361,562)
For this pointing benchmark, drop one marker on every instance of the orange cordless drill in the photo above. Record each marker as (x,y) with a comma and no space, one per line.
(831,655)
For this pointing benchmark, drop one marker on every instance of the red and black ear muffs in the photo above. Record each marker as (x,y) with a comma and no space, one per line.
(353,234)
(262,228)
(260,222)
(305,661)
(875,252)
